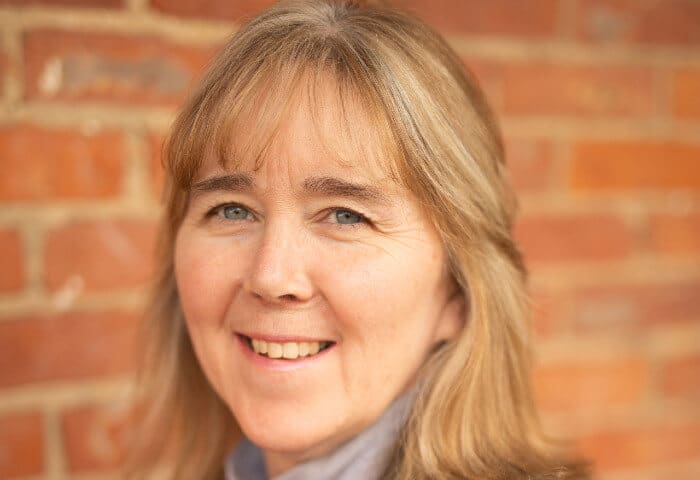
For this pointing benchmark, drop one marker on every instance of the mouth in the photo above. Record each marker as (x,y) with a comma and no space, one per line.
(286,350)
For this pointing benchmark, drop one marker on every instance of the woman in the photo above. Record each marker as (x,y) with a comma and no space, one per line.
(339,285)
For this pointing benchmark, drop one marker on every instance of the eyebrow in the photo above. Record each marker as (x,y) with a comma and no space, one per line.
(238,182)
(325,186)
(336,187)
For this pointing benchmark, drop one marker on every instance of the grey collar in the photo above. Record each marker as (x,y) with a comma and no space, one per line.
(363,456)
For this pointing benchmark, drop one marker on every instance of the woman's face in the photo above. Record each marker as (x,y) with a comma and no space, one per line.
(306,253)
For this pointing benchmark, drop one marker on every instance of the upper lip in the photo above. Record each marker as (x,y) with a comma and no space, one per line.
(277,338)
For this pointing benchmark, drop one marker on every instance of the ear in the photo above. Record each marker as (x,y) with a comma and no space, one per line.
(452,317)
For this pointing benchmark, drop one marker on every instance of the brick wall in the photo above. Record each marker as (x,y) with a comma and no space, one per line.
(600,104)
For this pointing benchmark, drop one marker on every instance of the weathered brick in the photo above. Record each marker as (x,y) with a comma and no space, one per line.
(100,255)
(59,163)
(214,9)
(65,3)
(655,22)
(96,437)
(686,96)
(640,447)
(66,346)
(676,233)
(548,313)
(147,70)
(630,308)
(591,386)
(529,163)
(489,76)
(590,238)
(681,377)
(12,261)
(535,18)
(536,88)
(21,444)
(630,165)
(155,143)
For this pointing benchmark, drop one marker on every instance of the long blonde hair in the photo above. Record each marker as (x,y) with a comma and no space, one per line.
(475,416)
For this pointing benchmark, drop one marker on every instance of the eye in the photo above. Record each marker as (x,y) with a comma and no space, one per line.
(232,212)
(348,217)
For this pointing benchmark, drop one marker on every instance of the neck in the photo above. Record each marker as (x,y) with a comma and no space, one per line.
(278,463)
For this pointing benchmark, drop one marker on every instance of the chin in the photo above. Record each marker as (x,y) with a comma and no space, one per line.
(289,440)
(286,441)
(287,428)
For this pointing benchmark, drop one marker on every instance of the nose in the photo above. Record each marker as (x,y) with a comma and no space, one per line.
(279,273)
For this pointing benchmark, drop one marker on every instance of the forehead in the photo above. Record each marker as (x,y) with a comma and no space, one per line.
(316,124)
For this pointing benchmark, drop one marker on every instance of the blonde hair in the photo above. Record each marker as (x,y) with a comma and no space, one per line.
(475,416)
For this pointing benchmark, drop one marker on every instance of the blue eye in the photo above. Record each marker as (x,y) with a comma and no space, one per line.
(234,212)
(348,217)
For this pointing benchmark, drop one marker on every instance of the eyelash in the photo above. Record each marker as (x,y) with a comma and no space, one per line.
(214,210)
(364,221)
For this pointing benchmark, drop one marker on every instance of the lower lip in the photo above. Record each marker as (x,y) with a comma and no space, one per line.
(281,365)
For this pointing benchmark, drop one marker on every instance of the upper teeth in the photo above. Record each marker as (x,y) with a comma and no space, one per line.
(289,350)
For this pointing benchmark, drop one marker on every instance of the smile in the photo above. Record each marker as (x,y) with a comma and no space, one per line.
(286,350)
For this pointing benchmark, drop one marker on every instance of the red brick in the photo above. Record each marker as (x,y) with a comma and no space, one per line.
(641,447)
(534,18)
(632,21)
(676,233)
(530,164)
(630,308)
(142,70)
(591,386)
(214,9)
(590,238)
(548,313)
(21,444)
(156,168)
(686,93)
(628,165)
(100,255)
(65,3)
(489,76)
(12,261)
(41,164)
(534,89)
(681,377)
(66,346)
(96,437)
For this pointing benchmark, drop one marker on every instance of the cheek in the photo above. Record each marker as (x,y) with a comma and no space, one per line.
(206,280)
(206,277)
(382,299)
(387,278)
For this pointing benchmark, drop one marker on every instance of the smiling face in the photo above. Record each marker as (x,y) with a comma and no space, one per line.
(309,249)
